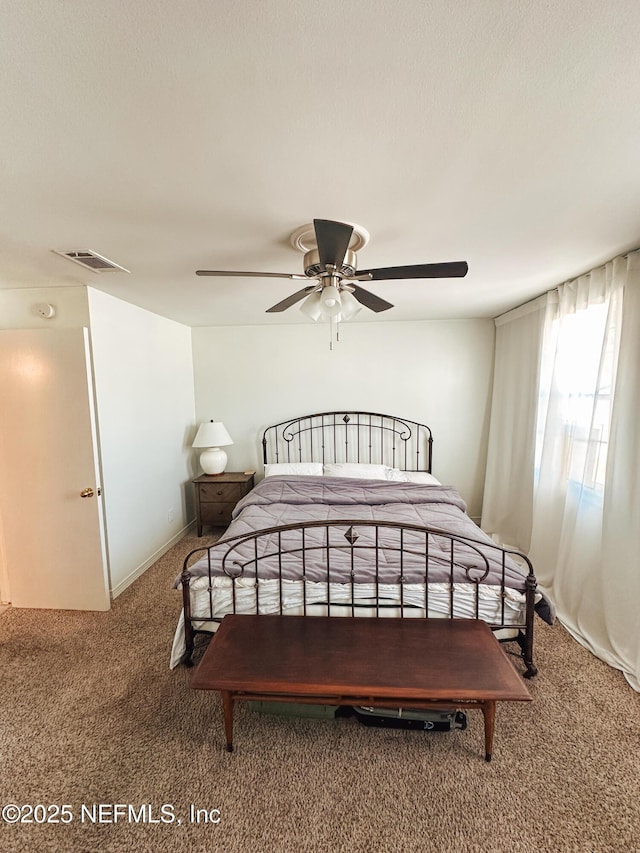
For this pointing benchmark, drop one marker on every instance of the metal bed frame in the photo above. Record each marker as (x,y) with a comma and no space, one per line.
(350,437)
(353,437)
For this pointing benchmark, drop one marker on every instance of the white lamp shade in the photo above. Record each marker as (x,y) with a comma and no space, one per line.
(330,299)
(312,306)
(350,305)
(330,302)
(212,436)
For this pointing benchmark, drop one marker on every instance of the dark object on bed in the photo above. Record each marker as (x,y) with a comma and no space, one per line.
(339,546)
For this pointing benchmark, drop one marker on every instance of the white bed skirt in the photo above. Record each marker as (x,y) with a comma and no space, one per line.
(290,602)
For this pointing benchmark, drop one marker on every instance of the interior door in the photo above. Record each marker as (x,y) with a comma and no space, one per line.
(54,546)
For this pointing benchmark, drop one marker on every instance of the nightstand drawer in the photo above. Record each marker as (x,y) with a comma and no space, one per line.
(221,492)
(216,514)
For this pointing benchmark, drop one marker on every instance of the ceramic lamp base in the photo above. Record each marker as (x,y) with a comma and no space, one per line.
(213,460)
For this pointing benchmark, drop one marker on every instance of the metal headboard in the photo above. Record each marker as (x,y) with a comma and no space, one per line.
(367,437)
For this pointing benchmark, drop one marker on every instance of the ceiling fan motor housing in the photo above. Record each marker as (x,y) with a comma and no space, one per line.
(313,267)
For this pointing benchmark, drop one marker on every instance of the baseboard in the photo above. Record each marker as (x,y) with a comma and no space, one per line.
(142,568)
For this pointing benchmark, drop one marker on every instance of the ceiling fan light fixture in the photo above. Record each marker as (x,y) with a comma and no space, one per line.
(330,300)
(312,306)
(349,305)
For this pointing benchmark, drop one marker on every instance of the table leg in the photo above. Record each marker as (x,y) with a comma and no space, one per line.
(489,714)
(227,704)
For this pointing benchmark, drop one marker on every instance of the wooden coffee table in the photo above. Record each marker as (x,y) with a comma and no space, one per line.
(379,662)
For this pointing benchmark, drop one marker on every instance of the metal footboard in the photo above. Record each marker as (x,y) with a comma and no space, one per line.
(359,568)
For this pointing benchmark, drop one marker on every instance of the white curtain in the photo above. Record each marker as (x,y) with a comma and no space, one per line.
(507,506)
(584,518)
(620,570)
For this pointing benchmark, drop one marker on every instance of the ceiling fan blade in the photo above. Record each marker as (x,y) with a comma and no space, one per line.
(253,274)
(453,269)
(369,300)
(333,240)
(290,300)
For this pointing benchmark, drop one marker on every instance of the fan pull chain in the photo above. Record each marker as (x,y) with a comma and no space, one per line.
(333,336)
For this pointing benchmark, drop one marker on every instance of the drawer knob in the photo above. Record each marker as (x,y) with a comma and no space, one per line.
(220,492)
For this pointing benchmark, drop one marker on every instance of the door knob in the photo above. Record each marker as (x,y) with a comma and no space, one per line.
(87,493)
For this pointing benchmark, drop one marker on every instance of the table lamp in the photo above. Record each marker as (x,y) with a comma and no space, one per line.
(212,436)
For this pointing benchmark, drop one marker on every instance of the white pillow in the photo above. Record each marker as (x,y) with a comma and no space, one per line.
(357,470)
(313,469)
(422,477)
(396,475)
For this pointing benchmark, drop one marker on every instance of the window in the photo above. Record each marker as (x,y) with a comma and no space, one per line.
(577,375)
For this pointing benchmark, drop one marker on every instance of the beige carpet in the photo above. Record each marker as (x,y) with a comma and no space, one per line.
(92,715)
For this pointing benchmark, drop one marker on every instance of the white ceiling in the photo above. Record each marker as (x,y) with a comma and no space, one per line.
(173,136)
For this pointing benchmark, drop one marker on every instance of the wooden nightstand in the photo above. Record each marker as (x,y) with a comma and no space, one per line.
(216,496)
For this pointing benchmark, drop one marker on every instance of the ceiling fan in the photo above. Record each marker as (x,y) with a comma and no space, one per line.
(333,265)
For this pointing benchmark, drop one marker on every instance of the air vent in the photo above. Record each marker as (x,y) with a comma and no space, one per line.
(91,260)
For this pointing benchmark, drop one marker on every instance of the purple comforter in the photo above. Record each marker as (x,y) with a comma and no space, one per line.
(284,500)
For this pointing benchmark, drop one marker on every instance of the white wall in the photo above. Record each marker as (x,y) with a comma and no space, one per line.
(436,372)
(18,308)
(145,407)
